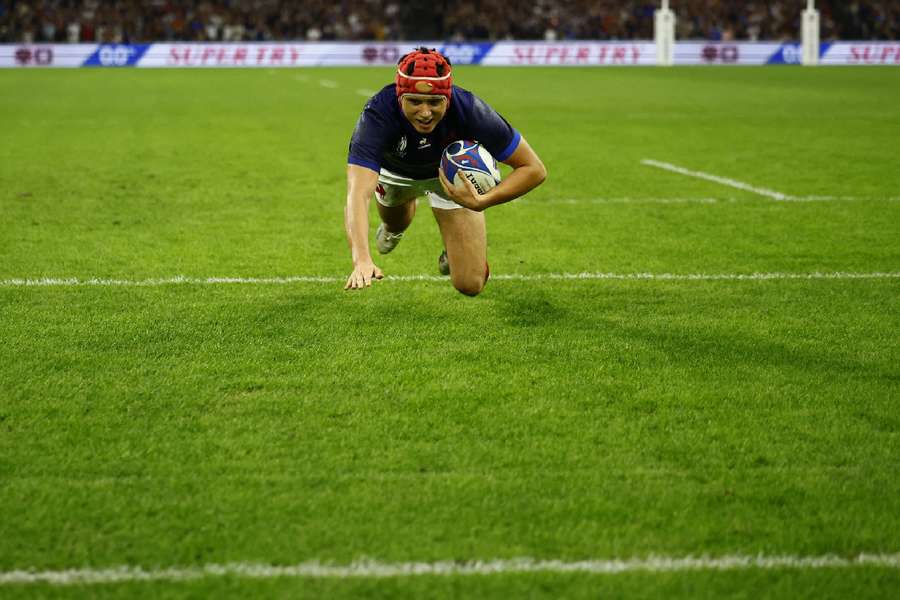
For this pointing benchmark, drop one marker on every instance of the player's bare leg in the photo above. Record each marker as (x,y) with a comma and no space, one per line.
(397,218)
(465,238)
(394,221)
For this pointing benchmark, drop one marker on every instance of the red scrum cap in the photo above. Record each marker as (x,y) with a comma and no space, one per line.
(424,71)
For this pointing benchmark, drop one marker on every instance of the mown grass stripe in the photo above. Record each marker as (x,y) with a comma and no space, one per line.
(376,569)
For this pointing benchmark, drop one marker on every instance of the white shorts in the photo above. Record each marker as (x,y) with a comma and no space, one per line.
(394,190)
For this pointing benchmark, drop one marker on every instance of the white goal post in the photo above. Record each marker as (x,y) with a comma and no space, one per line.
(810,34)
(664,34)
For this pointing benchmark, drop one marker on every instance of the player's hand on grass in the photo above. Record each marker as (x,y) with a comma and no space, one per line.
(362,276)
(464,195)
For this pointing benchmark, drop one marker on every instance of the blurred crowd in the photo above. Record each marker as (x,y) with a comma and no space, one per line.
(697,19)
(131,21)
(124,21)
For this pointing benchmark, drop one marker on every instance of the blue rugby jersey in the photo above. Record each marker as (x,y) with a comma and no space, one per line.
(384,138)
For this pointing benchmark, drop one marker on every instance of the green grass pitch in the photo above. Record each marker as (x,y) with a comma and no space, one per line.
(180,425)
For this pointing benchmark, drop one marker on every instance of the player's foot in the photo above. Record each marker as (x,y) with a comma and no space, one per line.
(385,240)
(443,263)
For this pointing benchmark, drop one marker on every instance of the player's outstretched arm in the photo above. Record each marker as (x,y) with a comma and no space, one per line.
(361,184)
(528,173)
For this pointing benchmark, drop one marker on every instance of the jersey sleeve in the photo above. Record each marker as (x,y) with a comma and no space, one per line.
(368,140)
(492,130)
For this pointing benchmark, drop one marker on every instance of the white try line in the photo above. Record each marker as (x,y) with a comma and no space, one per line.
(303,279)
(715,178)
(376,569)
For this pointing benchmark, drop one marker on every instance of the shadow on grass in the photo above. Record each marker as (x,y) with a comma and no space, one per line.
(536,308)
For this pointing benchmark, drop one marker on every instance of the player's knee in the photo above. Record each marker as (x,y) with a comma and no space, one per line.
(470,286)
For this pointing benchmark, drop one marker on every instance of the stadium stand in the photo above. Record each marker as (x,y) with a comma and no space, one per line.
(131,21)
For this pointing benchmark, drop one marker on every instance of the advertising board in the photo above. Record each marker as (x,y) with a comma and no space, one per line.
(506,53)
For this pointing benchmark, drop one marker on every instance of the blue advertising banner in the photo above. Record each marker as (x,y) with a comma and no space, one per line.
(466,54)
(791,53)
(116,55)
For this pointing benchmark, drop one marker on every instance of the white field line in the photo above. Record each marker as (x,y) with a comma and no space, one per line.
(842,198)
(327,83)
(723,200)
(624,200)
(375,569)
(181,280)
(365,92)
(715,178)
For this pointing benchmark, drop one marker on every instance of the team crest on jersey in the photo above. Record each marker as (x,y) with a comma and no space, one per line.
(423,143)
(401,146)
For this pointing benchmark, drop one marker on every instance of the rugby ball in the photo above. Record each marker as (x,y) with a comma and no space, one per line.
(472,161)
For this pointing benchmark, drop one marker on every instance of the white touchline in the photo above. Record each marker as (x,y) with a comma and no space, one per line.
(376,569)
(715,178)
(182,280)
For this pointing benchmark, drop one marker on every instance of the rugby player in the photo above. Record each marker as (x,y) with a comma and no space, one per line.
(394,155)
